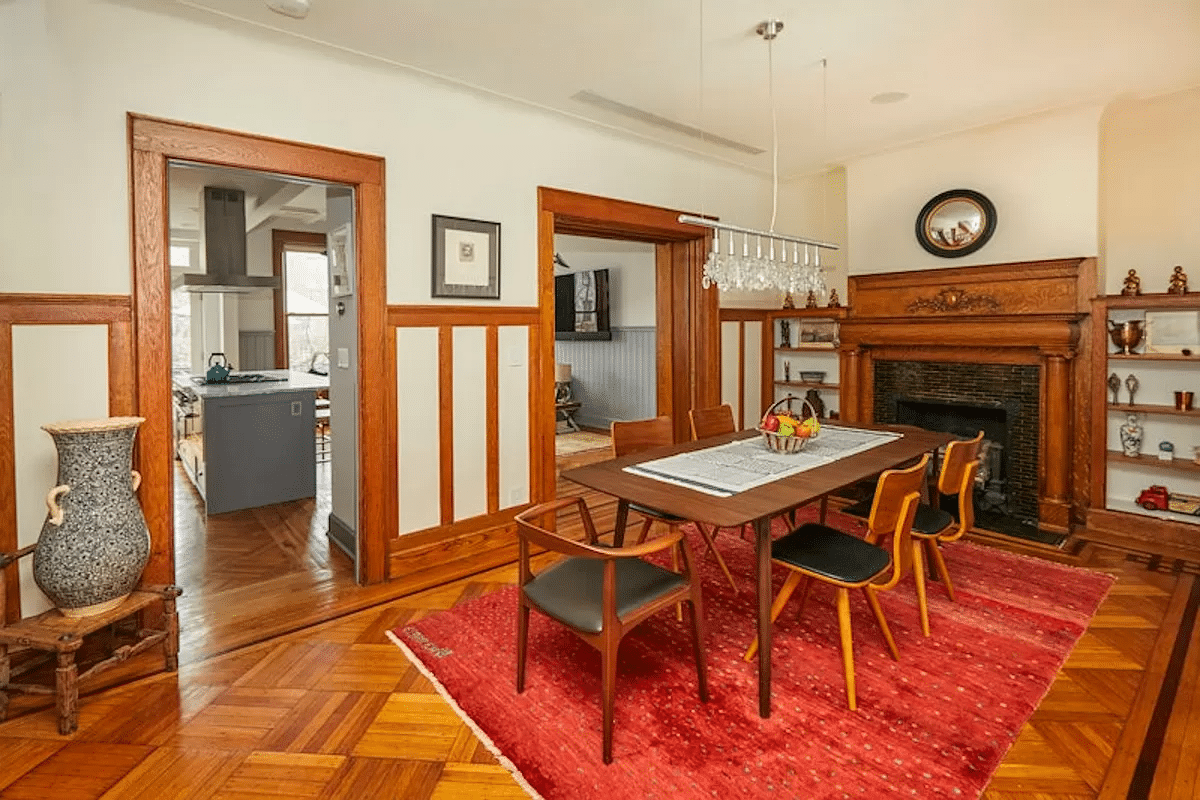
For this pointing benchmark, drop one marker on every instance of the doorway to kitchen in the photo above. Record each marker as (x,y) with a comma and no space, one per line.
(257,490)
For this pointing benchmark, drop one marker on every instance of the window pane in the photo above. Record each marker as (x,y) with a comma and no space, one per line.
(307,335)
(181,256)
(307,282)
(181,329)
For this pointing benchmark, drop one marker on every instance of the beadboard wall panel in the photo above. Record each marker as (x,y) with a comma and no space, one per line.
(614,380)
(256,350)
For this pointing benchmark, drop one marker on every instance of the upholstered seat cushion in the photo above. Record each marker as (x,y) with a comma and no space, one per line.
(931,521)
(830,553)
(654,512)
(571,591)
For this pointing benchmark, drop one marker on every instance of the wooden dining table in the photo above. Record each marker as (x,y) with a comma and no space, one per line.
(756,506)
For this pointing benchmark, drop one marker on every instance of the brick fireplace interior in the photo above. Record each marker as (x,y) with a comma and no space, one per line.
(997,348)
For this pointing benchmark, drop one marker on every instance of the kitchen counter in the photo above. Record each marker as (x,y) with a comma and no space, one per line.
(296,382)
(251,444)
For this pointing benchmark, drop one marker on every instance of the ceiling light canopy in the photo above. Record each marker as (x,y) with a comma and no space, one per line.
(297,9)
(767,259)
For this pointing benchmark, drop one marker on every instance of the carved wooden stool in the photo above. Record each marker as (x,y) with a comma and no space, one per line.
(61,637)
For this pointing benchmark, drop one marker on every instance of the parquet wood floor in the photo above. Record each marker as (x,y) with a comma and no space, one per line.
(334,710)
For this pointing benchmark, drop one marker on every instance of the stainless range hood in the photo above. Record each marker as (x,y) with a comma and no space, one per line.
(223,247)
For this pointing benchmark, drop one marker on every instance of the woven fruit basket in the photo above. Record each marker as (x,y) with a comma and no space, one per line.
(787,444)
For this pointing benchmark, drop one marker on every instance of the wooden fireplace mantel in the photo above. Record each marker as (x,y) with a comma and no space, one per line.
(1029,312)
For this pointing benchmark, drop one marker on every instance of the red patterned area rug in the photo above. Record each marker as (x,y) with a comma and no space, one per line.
(934,725)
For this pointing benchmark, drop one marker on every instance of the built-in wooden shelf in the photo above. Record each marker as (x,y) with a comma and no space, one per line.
(1154,301)
(807,384)
(1130,507)
(1151,462)
(818,313)
(1154,357)
(826,347)
(1153,409)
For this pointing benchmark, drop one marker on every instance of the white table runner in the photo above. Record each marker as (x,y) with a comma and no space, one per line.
(727,469)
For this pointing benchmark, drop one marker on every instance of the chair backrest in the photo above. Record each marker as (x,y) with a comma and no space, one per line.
(643,434)
(712,421)
(958,457)
(895,506)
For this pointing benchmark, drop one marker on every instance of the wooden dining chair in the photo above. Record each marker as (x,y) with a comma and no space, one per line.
(818,552)
(933,526)
(712,421)
(601,593)
(629,438)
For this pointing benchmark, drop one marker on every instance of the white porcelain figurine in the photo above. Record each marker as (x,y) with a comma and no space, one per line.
(1131,436)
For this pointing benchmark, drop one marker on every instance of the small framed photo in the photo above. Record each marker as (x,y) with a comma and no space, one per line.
(340,248)
(1172,331)
(466,258)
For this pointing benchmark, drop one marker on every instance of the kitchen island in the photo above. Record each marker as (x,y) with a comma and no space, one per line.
(248,444)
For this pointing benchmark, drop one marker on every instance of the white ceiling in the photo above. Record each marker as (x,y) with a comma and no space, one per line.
(963,64)
(269,198)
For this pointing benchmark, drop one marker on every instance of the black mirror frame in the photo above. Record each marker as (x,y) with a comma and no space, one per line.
(986,209)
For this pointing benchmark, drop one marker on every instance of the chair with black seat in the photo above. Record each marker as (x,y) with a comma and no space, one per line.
(629,438)
(601,592)
(818,552)
(933,526)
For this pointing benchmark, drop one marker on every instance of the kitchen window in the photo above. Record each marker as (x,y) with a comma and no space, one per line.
(306,284)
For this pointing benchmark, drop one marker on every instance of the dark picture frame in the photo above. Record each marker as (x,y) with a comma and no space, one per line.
(466,258)
(956,223)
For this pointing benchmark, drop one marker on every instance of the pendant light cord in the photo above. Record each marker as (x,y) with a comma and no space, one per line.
(774,132)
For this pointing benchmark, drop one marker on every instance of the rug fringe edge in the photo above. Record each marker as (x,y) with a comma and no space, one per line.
(470,723)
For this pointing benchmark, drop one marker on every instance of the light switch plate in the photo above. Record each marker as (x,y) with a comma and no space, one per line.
(343,357)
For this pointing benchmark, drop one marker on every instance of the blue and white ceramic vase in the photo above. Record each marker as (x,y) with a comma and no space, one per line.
(94,543)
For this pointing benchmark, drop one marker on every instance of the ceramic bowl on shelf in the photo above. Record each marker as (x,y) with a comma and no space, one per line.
(812,376)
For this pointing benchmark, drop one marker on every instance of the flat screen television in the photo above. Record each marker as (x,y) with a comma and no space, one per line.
(581,305)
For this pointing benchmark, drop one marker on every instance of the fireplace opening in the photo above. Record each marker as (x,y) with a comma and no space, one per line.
(966,420)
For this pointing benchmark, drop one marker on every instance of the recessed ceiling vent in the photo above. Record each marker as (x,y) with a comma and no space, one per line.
(650,118)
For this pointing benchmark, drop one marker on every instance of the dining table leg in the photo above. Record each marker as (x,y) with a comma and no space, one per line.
(762,549)
(619,523)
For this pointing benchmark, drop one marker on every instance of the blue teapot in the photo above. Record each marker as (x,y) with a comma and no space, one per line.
(218,372)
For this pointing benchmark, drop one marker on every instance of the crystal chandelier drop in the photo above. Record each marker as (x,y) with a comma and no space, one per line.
(746,258)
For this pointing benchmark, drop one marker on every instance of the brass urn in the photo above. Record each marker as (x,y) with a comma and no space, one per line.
(1126,335)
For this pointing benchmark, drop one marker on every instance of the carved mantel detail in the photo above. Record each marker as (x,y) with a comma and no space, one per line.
(954,299)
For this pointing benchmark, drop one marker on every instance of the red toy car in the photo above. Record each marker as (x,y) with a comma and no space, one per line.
(1157,498)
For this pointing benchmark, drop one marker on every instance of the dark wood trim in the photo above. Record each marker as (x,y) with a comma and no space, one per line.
(153,143)
(446,422)
(741,373)
(121,402)
(8,478)
(664,331)
(280,239)
(492,412)
(436,316)
(65,309)
(744,314)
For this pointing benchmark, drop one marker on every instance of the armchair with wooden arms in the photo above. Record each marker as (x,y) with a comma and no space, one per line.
(601,593)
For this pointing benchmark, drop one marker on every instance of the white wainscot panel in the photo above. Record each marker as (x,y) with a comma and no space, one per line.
(469,430)
(513,378)
(60,372)
(417,428)
(752,376)
(730,380)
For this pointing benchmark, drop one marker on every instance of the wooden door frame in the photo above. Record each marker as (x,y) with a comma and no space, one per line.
(153,143)
(687,316)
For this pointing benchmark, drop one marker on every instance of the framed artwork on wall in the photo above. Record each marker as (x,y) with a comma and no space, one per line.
(1172,331)
(466,258)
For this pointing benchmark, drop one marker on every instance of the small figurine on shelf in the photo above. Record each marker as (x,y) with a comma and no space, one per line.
(1178,283)
(1131,436)
(813,396)
(1132,384)
(787,371)
(1196,453)
(1133,284)
(1114,386)
(1166,451)
(811,300)
(788,301)
(833,299)
(785,333)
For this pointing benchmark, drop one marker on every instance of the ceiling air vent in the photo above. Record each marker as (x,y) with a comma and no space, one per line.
(650,118)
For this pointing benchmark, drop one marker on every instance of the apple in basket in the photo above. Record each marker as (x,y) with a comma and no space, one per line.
(770,423)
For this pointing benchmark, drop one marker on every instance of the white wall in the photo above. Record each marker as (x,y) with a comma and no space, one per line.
(1150,190)
(631,268)
(1041,173)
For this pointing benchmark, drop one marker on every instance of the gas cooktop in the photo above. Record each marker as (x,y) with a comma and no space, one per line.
(237,377)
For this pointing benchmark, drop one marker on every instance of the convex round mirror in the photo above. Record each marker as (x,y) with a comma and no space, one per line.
(956,223)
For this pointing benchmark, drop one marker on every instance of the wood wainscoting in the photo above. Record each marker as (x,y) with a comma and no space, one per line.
(1031,312)
(113,311)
